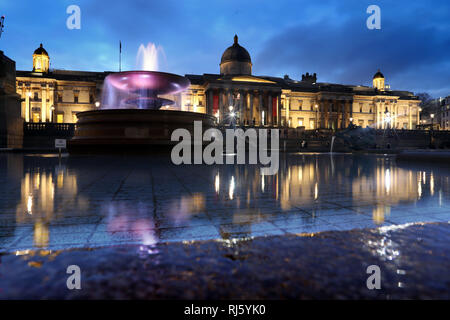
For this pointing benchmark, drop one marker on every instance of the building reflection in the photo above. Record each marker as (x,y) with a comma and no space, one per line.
(348,181)
(44,193)
(238,195)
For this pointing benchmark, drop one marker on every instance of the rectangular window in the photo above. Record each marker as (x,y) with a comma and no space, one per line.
(60,118)
(300,122)
(300,104)
(36,116)
(312,123)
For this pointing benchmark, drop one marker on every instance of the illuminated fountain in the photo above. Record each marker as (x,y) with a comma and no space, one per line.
(129,117)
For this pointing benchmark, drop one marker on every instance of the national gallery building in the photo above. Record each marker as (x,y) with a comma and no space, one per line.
(234,95)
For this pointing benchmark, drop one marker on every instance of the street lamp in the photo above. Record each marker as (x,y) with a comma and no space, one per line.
(432,117)
(97,104)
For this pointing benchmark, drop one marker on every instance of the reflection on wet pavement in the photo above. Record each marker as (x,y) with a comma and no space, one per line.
(100,201)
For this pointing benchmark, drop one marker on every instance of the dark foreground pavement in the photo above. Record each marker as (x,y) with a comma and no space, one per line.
(414,263)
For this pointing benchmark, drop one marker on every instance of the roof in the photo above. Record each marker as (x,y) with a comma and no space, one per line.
(236,53)
(40,50)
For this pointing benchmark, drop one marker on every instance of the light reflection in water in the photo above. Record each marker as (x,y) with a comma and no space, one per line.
(303,181)
(40,198)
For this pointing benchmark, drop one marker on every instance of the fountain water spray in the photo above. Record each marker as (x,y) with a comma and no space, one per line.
(140,89)
(332,143)
(148,57)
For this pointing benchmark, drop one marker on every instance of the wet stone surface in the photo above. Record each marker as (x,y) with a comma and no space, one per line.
(97,201)
(414,262)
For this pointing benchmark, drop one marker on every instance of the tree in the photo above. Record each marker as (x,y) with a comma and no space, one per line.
(425,98)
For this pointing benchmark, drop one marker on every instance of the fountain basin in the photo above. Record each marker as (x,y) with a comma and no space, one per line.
(131,130)
(158,82)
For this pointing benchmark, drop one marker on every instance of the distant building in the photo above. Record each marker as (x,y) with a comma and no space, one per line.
(444,113)
(436,114)
(232,95)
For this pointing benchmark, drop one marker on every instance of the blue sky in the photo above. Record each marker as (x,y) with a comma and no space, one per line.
(412,49)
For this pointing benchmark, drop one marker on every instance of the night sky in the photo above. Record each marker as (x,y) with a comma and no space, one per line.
(412,49)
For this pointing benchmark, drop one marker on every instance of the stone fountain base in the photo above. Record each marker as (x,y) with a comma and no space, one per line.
(131,130)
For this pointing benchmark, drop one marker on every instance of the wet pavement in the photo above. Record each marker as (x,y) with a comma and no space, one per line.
(413,260)
(91,202)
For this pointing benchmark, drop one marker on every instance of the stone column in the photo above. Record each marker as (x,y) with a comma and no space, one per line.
(270,111)
(410,116)
(250,122)
(279,110)
(241,107)
(27,106)
(377,118)
(418,116)
(260,108)
(210,102)
(221,94)
(287,106)
(43,104)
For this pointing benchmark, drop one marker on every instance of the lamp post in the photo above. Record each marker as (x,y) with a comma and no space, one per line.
(2,24)
(432,118)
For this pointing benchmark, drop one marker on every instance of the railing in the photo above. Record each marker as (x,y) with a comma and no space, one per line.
(48,129)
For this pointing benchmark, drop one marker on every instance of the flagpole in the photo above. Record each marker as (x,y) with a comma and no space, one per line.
(120,56)
(2,24)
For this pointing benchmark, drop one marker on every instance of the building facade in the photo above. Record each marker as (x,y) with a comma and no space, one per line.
(232,96)
(56,95)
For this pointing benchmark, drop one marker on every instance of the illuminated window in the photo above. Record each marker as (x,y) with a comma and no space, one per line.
(74,117)
(60,118)
(36,116)
(300,122)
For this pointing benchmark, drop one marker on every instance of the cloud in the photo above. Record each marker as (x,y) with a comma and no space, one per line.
(283,37)
(412,55)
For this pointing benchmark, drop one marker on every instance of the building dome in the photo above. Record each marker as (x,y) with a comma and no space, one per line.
(378,81)
(236,60)
(378,75)
(41,51)
(41,60)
